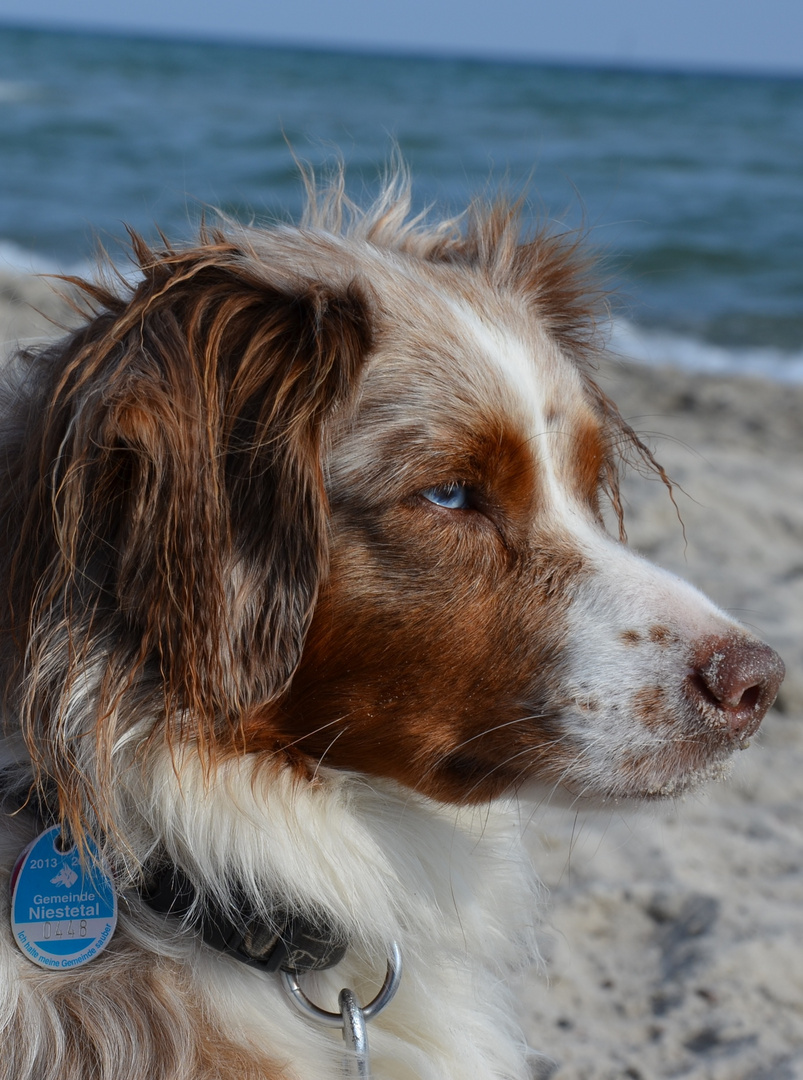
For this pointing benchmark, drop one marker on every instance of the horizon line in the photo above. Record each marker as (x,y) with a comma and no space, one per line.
(712,69)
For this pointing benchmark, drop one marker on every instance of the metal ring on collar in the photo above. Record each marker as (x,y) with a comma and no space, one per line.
(372,1009)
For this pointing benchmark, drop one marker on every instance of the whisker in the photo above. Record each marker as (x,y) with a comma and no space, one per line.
(319,762)
(479,735)
(315,731)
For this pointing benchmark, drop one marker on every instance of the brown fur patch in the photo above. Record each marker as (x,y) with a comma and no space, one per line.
(590,457)
(443,683)
(650,707)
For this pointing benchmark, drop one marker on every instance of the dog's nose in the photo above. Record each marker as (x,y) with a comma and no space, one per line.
(740,679)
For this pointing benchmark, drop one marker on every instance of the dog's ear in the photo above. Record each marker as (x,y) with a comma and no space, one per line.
(225,517)
(177,533)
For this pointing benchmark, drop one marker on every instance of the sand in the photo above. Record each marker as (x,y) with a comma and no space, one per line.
(673,942)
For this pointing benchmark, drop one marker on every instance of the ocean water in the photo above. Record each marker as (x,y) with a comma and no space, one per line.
(690,186)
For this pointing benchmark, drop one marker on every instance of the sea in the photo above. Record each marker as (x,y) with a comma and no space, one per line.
(689,186)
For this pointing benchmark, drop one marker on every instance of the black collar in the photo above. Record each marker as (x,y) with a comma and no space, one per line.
(289,942)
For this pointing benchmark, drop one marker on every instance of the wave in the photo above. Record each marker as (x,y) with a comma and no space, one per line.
(17,259)
(663,348)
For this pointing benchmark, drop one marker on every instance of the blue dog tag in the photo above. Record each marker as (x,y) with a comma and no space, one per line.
(63,913)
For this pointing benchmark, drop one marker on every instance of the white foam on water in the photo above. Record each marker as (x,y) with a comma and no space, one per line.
(665,348)
(19,260)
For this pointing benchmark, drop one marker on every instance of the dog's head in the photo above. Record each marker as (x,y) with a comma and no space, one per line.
(337,495)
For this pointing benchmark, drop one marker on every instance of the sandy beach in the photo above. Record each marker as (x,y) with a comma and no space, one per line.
(673,942)
(676,933)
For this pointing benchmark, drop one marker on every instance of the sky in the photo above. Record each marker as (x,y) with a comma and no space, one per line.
(740,35)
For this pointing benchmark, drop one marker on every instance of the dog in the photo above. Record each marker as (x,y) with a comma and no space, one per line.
(313,567)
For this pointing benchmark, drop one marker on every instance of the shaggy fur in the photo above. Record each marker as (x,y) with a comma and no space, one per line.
(304,582)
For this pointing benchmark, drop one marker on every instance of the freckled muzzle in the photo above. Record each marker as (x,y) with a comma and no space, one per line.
(733,682)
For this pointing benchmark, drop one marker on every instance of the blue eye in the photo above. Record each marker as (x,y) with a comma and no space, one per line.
(449,496)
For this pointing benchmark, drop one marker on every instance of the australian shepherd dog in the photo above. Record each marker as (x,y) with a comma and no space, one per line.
(312,568)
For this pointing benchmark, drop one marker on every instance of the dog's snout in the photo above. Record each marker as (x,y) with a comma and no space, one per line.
(740,679)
